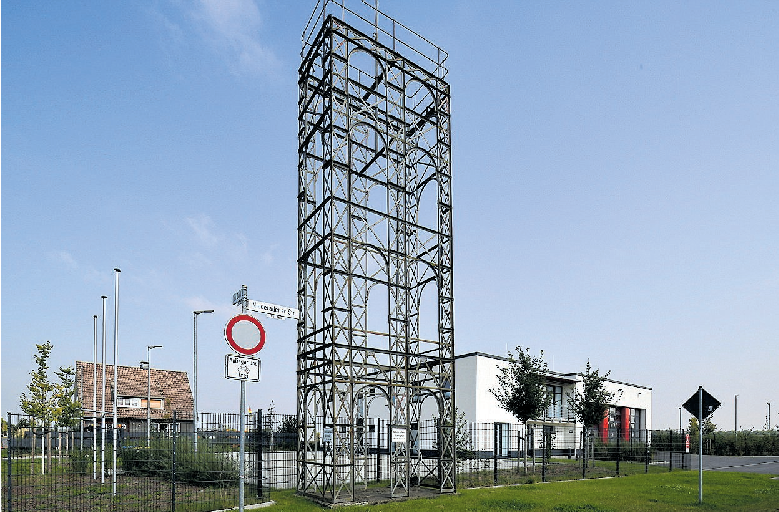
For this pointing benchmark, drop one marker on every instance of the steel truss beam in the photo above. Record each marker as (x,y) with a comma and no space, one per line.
(374,152)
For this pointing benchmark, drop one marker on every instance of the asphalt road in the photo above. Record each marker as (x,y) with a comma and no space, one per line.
(768,465)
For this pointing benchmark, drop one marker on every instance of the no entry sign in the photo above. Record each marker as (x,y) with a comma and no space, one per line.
(245,334)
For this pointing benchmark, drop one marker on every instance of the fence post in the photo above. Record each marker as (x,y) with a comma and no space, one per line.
(495,453)
(173,467)
(619,455)
(543,455)
(670,450)
(258,433)
(8,464)
(646,445)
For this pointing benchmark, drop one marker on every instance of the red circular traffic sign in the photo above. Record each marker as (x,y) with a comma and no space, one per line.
(245,334)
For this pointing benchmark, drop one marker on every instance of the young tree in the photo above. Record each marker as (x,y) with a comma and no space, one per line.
(47,402)
(38,404)
(522,390)
(708,431)
(590,404)
(462,436)
(67,406)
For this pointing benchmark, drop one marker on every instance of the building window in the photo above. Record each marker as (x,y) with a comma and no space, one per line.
(555,394)
(133,403)
(137,402)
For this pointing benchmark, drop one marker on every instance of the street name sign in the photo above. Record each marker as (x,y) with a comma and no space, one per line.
(273,310)
(240,296)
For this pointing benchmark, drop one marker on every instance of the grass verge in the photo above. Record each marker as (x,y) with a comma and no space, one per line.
(676,491)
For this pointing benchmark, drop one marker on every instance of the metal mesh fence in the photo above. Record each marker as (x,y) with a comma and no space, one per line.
(504,454)
(72,469)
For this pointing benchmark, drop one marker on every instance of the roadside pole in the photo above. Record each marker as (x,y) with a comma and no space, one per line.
(700,444)
(246,336)
(701,405)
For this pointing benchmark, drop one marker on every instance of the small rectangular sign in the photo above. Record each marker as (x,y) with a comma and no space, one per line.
(242,368)
(239,296)
(272,310)
(327,436)
(398,435)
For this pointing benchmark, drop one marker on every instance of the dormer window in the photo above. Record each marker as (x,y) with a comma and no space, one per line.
(138,402)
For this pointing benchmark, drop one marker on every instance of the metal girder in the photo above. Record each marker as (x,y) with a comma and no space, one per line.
(374,150)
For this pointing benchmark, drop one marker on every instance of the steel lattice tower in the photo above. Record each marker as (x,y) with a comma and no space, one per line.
(374,236)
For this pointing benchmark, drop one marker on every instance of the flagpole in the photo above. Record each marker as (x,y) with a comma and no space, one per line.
(116,371)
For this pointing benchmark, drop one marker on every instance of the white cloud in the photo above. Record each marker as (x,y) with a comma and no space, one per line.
(199,303)
(195,260)
(231,27)
(87,272)
(202,226)
(267,257)
(66,258)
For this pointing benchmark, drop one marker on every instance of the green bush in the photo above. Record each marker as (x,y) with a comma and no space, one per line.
(205,467)
(747,442)
(81,460)
(628,451)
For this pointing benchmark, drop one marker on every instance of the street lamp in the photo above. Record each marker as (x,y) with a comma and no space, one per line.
(735,416)
(194,397)
(148,390)
(769,415)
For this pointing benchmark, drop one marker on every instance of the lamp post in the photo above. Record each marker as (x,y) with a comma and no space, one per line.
(735,416)
(680,419)
(148,390)
(768,422)
(194,397)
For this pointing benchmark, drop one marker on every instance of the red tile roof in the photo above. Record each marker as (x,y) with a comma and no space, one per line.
(171,385)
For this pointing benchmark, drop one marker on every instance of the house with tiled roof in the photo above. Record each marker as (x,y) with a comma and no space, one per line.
(169,391)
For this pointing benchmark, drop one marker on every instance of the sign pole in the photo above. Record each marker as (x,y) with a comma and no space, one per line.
(242,455)
(242,423)
(700,444)
(695,405)
(246,336)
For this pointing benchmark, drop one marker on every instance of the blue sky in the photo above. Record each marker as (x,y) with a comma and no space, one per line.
(616,174)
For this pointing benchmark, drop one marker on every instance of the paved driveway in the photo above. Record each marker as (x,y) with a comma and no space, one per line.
(768,465)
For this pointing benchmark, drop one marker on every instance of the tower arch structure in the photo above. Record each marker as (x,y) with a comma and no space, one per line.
(374,143)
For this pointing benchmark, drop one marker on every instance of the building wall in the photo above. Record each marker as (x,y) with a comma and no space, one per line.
(477,373)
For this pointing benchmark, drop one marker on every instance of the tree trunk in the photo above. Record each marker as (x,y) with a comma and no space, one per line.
(526,437)
(32,450)
(48,451)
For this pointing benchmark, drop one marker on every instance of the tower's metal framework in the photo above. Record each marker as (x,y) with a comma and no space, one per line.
(374,240)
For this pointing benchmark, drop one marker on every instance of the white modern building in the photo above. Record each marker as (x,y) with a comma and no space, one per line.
(629,417)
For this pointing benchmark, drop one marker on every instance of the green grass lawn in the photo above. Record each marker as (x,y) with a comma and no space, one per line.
(652,492)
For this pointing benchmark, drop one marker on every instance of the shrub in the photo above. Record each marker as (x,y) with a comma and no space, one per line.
(747,442)
(80,460)
(205,467)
